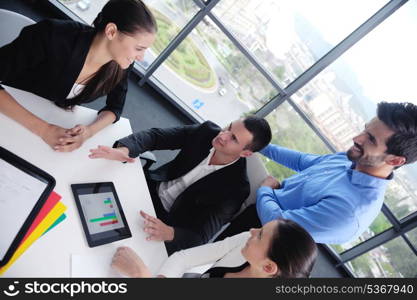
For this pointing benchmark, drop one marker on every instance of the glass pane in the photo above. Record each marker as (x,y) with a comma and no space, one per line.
(285,125)
(344,96)
(401,195)
(379,225)
(212,77)
(412,236)
(393,259)
(288,36)
(87,10)
(171,16)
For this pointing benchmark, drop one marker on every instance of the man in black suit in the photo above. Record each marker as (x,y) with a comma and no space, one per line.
(202,188)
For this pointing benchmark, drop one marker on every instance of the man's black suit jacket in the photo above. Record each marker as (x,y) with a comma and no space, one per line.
(209,203)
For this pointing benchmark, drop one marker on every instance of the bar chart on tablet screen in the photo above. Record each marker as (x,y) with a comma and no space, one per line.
(101,213)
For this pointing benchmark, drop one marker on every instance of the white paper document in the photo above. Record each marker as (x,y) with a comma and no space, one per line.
(19,192)
(92,266)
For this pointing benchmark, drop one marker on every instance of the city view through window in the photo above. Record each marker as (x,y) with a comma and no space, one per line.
(210,75)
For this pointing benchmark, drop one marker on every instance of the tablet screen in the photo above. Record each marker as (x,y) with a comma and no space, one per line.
(101,213)
(19,193)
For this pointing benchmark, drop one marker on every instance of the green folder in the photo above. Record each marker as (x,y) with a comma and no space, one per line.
(59,220)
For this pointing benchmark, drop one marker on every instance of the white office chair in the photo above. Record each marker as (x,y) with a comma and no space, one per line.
(11,24)
(256,174)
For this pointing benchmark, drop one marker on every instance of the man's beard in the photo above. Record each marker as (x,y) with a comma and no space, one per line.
(354,155)
(364,160)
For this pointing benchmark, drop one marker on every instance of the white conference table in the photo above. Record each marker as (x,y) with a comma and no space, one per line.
(51,254)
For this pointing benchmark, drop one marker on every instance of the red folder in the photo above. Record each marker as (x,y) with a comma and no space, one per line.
(47,207)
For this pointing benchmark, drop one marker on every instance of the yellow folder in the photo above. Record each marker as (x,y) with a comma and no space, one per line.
(50,218)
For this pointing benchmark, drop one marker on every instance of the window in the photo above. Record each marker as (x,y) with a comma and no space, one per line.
(287,37)
(286,124)
(367,77)
(212,77)
(412,236)
(87,10)
(344,96)
(393,259)
(171,16)
(376,78)
(380,224)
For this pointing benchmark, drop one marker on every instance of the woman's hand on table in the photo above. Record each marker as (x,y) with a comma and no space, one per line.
(74,138)
(54,135)
(63,139)
(128,263)
(118,154)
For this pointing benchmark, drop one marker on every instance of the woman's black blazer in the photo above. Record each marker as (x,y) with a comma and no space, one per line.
(46,59)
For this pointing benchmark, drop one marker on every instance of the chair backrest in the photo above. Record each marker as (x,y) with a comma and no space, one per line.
(256,174)
(11,24)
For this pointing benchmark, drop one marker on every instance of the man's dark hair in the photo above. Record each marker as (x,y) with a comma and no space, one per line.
(402,119)
(260,130)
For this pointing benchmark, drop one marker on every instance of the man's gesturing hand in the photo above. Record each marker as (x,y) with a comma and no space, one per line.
(119,154)
(157,230)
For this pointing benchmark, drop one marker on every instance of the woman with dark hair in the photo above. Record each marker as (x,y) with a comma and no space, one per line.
(71,63)
(281,248)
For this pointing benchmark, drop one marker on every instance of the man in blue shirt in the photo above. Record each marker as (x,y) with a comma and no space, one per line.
(336,197)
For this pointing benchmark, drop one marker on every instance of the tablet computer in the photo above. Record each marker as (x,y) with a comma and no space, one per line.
(101,213)
(24,189)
